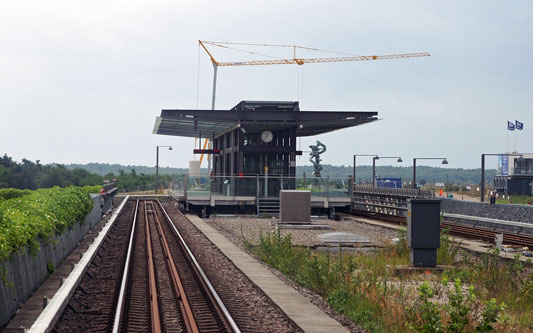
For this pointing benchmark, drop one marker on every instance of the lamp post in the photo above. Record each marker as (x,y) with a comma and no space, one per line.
(444,161)
(462,186)
(374,166)
(482,187)
(447,186)
(157,164)
(354,163)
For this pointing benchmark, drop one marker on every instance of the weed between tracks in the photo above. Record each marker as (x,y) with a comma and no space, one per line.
(480,294)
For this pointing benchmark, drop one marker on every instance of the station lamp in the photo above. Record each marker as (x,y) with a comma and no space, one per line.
(444,161)
(399,160)
(157,164)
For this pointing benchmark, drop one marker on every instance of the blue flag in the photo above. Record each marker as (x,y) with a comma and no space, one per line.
(510,126)
(519,125)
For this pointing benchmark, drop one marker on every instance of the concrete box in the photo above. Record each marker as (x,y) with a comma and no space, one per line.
(295,206)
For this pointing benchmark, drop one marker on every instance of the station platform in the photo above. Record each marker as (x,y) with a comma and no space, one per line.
(305,314)
(205,198)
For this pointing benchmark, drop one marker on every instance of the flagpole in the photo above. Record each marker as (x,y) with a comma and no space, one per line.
(515,141)
(507,140)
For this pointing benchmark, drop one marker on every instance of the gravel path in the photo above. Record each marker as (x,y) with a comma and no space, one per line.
(251,227)
(235,228)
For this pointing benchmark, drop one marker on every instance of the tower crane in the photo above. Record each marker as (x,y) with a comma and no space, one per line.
(290,61)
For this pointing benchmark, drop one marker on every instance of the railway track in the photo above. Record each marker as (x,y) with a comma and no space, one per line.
(462,230)
(145,278)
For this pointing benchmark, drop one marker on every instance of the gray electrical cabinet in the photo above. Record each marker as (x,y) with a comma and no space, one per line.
(295,206)
(423,231)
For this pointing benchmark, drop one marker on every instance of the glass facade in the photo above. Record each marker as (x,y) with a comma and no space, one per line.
(523,166)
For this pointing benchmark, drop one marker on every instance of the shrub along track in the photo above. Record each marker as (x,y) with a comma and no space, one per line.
(162,288)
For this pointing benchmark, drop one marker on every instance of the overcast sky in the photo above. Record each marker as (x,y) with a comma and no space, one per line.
(82,81)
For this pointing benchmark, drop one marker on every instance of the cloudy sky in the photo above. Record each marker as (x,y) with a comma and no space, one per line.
(82,81)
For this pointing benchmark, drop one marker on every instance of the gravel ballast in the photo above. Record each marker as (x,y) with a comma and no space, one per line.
(251,308)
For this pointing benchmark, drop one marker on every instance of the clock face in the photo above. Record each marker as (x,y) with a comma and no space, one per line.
(267,136)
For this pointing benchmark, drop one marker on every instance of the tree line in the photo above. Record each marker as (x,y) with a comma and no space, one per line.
(425,174)
(33,175)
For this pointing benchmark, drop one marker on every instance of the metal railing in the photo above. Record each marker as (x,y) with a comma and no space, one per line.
(390,201)
(262,186)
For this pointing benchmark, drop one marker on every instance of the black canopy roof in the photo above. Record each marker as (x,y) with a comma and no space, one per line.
(253,116)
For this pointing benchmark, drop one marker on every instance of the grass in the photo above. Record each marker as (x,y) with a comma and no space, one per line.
(517,200)
(485,292)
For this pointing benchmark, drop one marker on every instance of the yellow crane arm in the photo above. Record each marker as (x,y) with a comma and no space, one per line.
(205,146)
(295,60)
(301,61)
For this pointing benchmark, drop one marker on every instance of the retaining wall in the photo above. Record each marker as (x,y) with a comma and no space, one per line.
(516,213)
(26,272)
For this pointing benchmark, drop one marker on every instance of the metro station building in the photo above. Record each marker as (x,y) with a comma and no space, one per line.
(255,139)
(515,175)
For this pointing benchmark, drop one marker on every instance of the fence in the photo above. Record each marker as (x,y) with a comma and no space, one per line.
(262,186)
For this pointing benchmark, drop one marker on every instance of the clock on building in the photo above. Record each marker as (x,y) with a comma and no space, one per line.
(267,136)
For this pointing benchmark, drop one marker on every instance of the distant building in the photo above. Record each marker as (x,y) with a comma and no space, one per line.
(515,175)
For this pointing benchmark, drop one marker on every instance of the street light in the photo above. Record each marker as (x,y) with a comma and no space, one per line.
(157,165)
(354,160)
(447,186)
(444,161)
(462,186)
(374,166)
(482,192)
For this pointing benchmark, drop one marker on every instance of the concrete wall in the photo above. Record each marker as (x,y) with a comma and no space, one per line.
(517,213)
(26,272)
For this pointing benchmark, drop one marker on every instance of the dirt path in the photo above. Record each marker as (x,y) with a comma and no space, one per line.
(457,196)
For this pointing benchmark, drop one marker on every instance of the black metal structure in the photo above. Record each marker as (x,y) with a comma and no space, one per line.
(256,138)
(423,231)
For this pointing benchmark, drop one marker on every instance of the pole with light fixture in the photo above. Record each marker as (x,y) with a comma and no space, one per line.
(444,161)
(462,187)
(374,166)
(157,165)
(447,186)
(354,163)
(482,185)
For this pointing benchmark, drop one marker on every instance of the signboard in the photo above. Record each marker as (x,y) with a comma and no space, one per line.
(505,165)
(206,151)
(439,184)
(389,182)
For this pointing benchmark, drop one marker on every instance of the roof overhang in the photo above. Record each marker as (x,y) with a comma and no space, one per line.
(212,123)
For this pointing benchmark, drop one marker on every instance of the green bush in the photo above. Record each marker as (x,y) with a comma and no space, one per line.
(92,188)
(10,193)
(40,214)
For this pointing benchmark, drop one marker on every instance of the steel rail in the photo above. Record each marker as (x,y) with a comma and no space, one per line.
(154,306)
(459,229)
(226,317)
(122,293)
(181,295)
